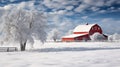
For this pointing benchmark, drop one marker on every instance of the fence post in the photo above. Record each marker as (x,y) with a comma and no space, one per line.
(15,49)
(8,49)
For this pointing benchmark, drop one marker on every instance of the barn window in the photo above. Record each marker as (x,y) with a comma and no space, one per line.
(92,28)
(98,28)
(95,28)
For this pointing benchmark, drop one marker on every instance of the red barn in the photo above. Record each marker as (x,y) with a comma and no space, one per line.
(83,32)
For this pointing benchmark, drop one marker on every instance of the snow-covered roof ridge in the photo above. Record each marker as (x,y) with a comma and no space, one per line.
(73,35)
(83,28)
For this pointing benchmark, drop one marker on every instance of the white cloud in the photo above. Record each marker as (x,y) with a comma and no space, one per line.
(81,8)
(22,5)
(94,2)
(102,11)
(119,8)
(8,7)
(110,2)
(60,12)
(110,25)
(47,3)
(84,17)
(69,7)
(112,8)
(53,4)
(100,3)
(12,0)
(69,13)
(95,8)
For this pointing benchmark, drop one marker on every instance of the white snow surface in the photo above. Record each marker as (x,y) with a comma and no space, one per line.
(65,54)
(83,28)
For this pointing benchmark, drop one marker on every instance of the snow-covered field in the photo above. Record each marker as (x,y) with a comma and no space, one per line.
(79,54)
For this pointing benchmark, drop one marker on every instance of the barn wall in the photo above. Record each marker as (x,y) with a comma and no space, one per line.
(68,39)
(84,37)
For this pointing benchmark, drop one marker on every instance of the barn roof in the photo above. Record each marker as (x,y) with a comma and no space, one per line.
(83,28)
(73,35)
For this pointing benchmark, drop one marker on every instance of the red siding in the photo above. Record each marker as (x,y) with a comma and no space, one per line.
(67,39)
(79,38)
(84,37)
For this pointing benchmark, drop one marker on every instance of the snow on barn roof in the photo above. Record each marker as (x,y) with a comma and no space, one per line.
(73,35)
(83,28)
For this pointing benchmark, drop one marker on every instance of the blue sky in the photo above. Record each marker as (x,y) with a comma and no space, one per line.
(64,15)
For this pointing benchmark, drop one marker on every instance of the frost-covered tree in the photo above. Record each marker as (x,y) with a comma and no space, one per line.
(69,32)
(114,37)
(22,26)
(97,37)
(110,38)
(55,34)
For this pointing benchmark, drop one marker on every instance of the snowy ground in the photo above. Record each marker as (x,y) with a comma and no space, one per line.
(80,54)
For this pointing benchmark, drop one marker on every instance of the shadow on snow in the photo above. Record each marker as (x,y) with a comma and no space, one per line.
(72,49)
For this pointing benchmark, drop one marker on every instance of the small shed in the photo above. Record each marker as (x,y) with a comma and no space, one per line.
(83,32)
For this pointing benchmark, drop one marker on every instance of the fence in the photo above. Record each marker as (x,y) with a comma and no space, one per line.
(8,49)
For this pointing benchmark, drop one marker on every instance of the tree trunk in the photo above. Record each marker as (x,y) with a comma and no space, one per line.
(54,40)
(23,46)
